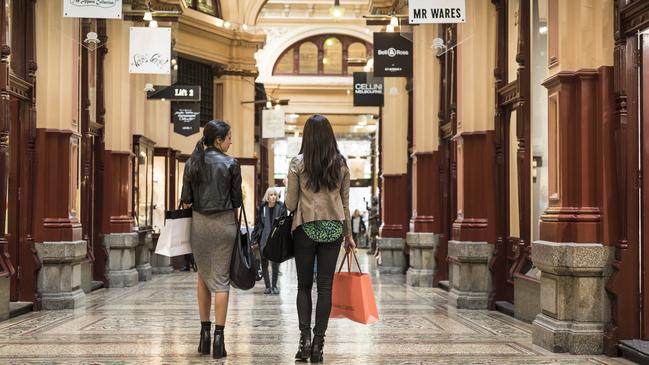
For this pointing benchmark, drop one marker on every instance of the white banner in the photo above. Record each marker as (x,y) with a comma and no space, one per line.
(272,125)
(150,51)
(436,11)
(102,9)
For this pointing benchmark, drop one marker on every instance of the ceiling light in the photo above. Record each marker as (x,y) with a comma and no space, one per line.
(269,104)
(337,11)
(153,24)
(394,21)
(147,16)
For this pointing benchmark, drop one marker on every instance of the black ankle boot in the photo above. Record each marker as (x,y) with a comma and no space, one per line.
(304,351)
(218,346)
(204,344)
(316,348)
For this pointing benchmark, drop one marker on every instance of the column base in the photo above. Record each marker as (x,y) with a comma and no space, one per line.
(65,300)
(568,336)
(123,278)
(392,257)
(422,258)
(86,276)
(60,277)
(121,261)
(4,298)
(469,277)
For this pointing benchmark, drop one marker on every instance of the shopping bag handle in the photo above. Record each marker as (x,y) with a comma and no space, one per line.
(348,259)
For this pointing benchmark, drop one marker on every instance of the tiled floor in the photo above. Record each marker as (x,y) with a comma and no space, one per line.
(157,322)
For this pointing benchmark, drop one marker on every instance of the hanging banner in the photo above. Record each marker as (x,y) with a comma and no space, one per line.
(150,51)
(175,92)
(186,118)
(272,123)
(436,11)
(368,90)
(393,54)
(101,9)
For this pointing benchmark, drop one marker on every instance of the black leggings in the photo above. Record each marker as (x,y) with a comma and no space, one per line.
(306,251)
(264,268)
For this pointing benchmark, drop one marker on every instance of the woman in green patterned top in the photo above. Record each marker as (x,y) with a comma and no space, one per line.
(318,194)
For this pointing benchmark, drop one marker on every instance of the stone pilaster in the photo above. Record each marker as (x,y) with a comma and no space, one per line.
(423,268)
(143,256)
(574,305)
(392,258)
(59,280)
(121,249)
(469,277)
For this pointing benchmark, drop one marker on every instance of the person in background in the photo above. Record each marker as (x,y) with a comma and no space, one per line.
(269,209)
(318,193)
(212,187)
(358,226)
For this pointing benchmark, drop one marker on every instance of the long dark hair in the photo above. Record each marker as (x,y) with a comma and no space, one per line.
(214,129)
(322,159)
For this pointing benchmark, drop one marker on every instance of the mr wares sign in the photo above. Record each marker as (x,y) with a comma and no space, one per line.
(436,11)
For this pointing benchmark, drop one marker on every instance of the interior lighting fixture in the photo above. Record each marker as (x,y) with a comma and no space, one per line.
(147,16)
(337,11)
(269,104)
(153,24)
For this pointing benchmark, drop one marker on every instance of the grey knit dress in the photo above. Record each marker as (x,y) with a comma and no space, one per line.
(213,238)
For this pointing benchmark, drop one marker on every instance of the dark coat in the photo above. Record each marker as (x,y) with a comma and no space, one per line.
(264,222)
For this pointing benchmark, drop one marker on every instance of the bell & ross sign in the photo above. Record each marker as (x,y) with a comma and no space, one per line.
(436,11)
(186,118)
(393,54)
(368,90)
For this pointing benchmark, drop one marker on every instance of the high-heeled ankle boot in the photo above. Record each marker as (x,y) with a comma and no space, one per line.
(316,348)
(204,343)
(304,351)
(218,346)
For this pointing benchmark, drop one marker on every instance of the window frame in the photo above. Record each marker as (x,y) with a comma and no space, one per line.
(319,41)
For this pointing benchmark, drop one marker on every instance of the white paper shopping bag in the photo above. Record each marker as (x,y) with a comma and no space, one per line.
(175,235)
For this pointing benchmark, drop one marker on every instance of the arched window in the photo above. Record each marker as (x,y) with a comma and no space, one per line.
(326,54)
(308,60)
(332,60)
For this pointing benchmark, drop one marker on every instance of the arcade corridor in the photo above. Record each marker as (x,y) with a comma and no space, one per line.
(155,322)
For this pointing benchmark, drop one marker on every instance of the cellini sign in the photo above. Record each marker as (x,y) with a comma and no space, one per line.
(436,11)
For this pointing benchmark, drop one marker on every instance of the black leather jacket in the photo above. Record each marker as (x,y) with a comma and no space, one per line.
(218,187)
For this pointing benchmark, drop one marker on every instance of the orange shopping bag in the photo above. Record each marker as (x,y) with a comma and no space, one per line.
(352,295)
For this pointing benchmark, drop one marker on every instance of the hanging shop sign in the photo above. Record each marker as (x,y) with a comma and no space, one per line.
(393,54)
(186,118)
(272,123)
(150,51)
(175,92)
(368,90)
(101,9)
(436,11)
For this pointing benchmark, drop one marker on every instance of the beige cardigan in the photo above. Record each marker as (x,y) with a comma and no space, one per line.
(323,205)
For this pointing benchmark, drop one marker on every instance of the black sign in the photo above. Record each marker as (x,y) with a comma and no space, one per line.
(175,92)
(186,118)
(368,90)
(393,54)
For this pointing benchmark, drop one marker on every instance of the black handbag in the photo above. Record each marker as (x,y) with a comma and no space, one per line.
(243,273)
(279,247)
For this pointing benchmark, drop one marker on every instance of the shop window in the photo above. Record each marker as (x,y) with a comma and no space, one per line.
(143,181)
(332,60)
(323,55)
(192,72)
(308,58)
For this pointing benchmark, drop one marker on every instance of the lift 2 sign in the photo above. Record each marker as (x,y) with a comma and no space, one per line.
(393,54)
(436,11)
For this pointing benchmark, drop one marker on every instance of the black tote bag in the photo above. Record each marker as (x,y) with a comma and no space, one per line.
(243,273)
(279,247)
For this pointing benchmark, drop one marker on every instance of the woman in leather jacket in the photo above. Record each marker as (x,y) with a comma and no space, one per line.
(318,193)
(269,209)
(212,186)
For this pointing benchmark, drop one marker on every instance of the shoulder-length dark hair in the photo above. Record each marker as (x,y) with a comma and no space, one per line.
(214,129)
(322,158)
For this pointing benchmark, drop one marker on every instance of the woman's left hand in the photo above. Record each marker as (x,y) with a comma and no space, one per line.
(349,243)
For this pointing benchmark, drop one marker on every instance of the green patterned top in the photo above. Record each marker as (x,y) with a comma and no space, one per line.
(324,231)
